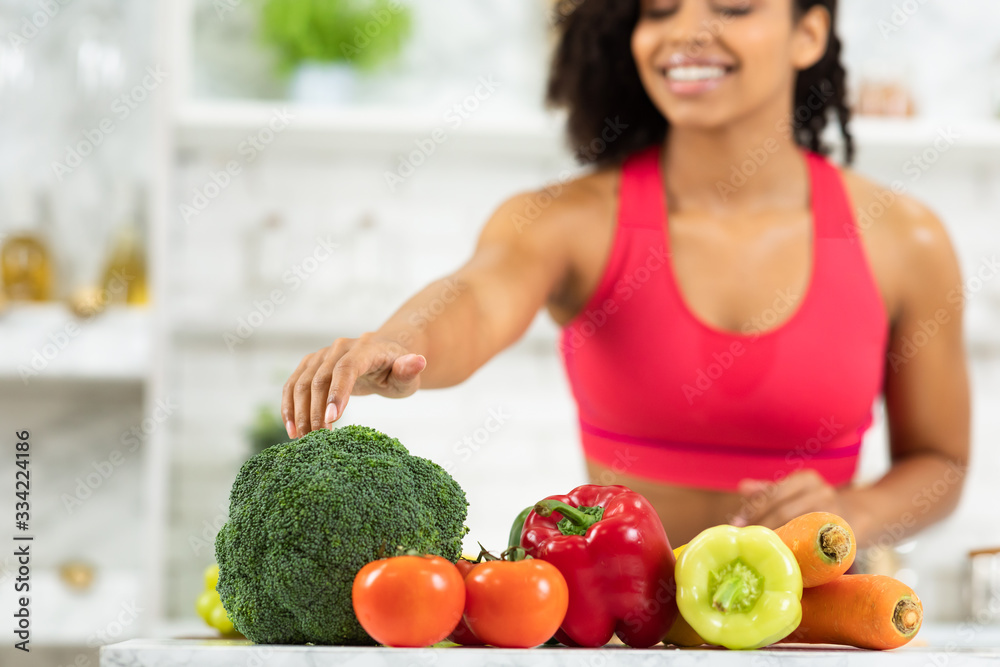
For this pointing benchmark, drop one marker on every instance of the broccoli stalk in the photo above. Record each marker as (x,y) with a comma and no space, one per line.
(305,516)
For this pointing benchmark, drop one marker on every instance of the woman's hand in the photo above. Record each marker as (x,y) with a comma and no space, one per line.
(773,504)
(316,393)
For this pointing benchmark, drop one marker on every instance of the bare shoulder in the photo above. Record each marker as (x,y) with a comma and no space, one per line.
(568,225)
(907,243)
(559,205)
(882,209)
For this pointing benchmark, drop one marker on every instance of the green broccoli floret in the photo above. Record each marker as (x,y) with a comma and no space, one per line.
(306,515)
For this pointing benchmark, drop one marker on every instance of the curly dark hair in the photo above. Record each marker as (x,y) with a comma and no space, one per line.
(594,77)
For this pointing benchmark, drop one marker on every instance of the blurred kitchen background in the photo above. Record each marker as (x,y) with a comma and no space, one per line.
(190,200)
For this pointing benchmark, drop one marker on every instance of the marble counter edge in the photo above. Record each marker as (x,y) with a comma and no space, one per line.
(209,653)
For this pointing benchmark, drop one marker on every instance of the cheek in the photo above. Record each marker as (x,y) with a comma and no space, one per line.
(762,52)
(644,44)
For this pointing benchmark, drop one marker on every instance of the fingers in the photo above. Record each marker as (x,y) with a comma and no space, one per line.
(765,500)
(317,392)
(319,411)
(404,379)
(812,500)
(348,369)
(302,394)
(371,369)
(288,397)
(319,389)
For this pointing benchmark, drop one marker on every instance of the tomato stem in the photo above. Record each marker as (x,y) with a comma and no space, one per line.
(406,551)
(484,554)
(515,554)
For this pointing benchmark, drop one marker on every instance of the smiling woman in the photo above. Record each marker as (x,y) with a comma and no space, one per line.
(581,66)
(726,320)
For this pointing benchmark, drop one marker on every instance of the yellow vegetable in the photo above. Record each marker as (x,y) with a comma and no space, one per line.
(220,621)
(209,605)
(681,633)
(739,587)
(211,576)
(206,604)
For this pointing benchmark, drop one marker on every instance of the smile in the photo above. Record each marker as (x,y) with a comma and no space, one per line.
(695,73)
(694,78)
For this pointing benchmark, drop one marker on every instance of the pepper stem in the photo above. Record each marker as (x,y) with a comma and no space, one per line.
(735,588)
(726,594)
(514,539)
(576,520)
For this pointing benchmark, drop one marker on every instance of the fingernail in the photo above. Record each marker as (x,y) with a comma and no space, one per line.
(413,357)
(331,413)
(290,428)
(739,521)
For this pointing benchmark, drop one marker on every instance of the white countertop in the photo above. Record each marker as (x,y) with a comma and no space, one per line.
(951,645)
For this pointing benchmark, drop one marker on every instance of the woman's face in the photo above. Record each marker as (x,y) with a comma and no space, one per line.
(709,63)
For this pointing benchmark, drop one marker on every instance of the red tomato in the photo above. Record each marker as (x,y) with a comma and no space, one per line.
(408,601)
(515,604)
(462,634)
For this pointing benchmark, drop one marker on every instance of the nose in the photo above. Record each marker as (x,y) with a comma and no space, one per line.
(688,28)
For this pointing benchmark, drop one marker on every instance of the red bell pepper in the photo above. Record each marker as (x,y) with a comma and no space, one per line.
(610,546)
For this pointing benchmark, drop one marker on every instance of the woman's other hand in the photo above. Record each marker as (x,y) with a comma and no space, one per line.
(316,393)
(773,504)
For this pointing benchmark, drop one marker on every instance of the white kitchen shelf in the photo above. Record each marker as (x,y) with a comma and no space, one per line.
(70,617)
(981,134)
(977,140)
(223,125)
(50,340)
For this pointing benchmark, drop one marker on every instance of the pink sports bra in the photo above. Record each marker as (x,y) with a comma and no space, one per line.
(665,396)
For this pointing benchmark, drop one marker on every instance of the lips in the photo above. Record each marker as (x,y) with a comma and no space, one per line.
(686,77)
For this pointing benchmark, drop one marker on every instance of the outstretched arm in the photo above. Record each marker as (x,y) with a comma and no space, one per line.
(445,332)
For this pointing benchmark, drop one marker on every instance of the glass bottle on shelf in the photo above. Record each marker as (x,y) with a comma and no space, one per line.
(25,260)
(885,89)
(125,276)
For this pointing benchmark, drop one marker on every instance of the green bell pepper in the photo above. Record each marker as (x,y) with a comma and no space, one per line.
(739,587)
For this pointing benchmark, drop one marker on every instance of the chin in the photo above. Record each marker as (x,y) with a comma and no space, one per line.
(703,117)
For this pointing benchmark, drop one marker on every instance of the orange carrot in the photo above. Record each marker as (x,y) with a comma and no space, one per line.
(863,610)
(823,545)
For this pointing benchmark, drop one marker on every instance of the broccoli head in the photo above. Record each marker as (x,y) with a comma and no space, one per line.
(306,515)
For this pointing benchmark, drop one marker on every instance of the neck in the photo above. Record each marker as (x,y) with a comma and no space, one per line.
(750,165)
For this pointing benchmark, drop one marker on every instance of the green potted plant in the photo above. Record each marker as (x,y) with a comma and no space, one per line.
(325,43)
(266,430)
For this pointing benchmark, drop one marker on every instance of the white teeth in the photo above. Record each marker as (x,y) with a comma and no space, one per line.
(695,73)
